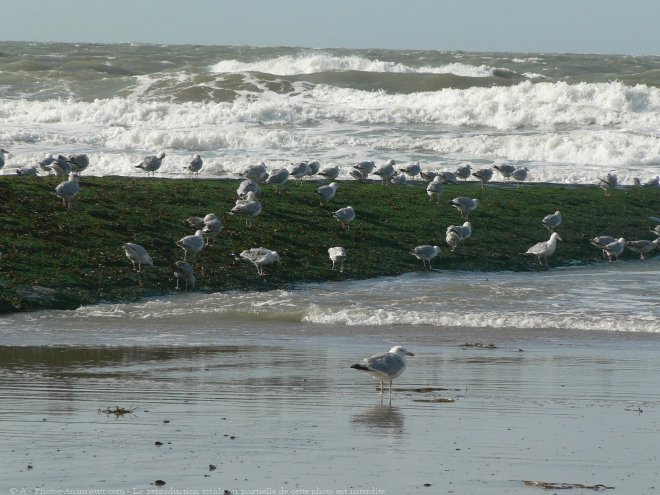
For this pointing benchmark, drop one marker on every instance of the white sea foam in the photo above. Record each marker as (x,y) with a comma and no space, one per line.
(570,133)
(315,62)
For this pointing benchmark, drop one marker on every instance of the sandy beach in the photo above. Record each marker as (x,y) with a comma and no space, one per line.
(282,412)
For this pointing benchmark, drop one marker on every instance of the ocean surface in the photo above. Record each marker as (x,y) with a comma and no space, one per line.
(568,118)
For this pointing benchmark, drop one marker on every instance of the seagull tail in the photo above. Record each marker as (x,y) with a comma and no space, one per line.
(360,367)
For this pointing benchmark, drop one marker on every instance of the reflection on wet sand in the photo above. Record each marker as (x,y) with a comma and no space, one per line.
(381,417)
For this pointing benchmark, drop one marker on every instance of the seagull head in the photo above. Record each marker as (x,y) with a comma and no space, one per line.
(401,351)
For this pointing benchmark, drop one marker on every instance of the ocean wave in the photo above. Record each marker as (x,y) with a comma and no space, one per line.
(314,62)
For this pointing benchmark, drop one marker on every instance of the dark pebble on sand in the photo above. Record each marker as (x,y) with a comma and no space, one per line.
(212,467)
(159,482)
(158,444)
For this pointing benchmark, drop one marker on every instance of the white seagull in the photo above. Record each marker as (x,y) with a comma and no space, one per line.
(212,227)
(78,162)
(365,168)
(458,233)
(464,205)
(412,169)
(255,172)
(329,172)
(484,175)
(195,165)
(326,193)
(608,183)
(278,178)
(299,171)
(614,249)
(601,241)
(463,172)
(552,221)
(386,172)
(193,243)
(519,175)
(151,163)
(184,271)
(338,255)
(246,186)
(249,208)
(138,255)
(426,253)
(345,216)
(642,247)
(505,169)
(543,250)
(385,366)
(68,190)
(260,257)
(435,188)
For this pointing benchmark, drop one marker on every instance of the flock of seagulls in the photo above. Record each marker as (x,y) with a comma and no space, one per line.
(248,205)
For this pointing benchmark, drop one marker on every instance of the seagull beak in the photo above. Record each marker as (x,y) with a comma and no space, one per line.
(410,353)
(560,239)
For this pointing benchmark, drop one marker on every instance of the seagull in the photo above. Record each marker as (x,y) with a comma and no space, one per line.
(246,186)
(255,172)
(463,172)
(337,255)
(365,168)
(642,247)
(138,255)
(326,193)
(3,152)
(506,170)
(426,253)
(195,165)
(249,208)
(519,175)
(345,216)
(299,171)
(278,178)
(385,366)
(330,172)
(607,183)
(614,249)
(601,241)
(45,163)
(193,243)
(151,163)
(448,177)
(212,227)
(545,249)
(464,205)
(458,233)
(78,162)
(260,257)
(484,175)
(411,169)
(552,221)
(655,182)
(68,190)
(184,271)
(60,166)
(314,166)
(428,175)
(435,188)
(399,179)
(27,170)
(386,172)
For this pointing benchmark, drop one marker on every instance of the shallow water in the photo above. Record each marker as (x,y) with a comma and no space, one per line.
(260,385)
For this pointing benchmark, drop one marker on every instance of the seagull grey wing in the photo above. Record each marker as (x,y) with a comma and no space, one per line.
(388,363)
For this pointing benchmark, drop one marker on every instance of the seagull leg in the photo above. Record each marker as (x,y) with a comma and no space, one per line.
(381,387)
(390,388)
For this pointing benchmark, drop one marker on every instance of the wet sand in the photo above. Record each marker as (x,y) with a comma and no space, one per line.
(281,412)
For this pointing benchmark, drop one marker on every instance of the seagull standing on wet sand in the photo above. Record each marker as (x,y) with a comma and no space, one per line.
(386,366)
(543,250)
(138,255)
(151,163)
(642,247)
(426,253)
(614,249)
